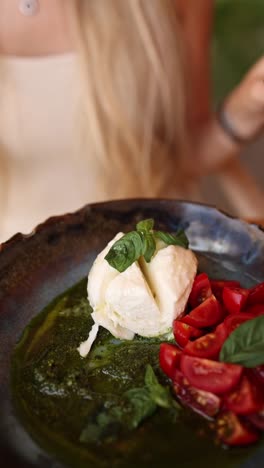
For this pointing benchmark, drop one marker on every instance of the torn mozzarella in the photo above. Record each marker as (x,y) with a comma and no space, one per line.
(101,274)
(170,275)
(130,302)
(85,346)
(145,298)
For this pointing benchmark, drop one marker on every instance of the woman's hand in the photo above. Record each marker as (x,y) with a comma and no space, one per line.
(244,107)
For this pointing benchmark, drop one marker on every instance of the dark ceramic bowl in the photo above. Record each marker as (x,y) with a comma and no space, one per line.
(34,269)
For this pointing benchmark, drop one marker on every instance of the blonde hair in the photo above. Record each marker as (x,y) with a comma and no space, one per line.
(132,66)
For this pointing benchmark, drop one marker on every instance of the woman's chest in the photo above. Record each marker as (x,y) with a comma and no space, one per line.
(39,108)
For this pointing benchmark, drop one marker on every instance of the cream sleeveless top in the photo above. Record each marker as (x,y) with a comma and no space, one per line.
(43,168)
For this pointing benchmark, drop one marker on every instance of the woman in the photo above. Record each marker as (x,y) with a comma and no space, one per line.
(93,105)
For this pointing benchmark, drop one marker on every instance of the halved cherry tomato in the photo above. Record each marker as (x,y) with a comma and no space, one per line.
(211,376)
(259,373)
(256,310)
(234,299)
(231,431)
(204,403)
(207,314)
(245,399)
(201,290)
(183,332)
(257,420)
(256,295)
(221,332)
(218,286)
(169,358)
(233,321)
(208,346)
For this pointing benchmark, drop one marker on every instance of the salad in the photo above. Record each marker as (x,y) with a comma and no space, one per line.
(145,283)
(216,364)
(158,346)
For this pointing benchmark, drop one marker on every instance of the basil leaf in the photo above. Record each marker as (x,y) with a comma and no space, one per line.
(125,251)
(145,228)
(158,393)
(107,424)
(142,405)
(149,246)
(179,238)
(91,433)
(141,242)
(145,225)
(133,407)
(245,345)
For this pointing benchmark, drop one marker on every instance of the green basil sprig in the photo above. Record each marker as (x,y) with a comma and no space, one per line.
(159,394)
(170,239)
(133,407)
(141,243)
(245,345)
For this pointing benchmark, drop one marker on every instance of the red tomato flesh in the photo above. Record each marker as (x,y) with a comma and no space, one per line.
(259,373)
(256,295)
(257,420)
(183,332)
(231,431)
(169,358)
(201,290)
(218,286)
(233,321)
(211,376)
(221,332)
(208,346)
(207,314)
(256,310)
(245,398)
(205,403)
(235,299)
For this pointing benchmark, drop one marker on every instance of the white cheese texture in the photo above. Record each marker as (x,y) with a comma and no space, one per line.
(145,298)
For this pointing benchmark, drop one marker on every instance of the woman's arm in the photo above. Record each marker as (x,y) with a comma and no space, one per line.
(245,104)
(242,113)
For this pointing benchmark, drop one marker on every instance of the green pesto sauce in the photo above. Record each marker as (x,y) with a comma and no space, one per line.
(57,393)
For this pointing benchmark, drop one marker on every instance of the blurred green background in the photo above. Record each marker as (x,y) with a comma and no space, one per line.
(237,43)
